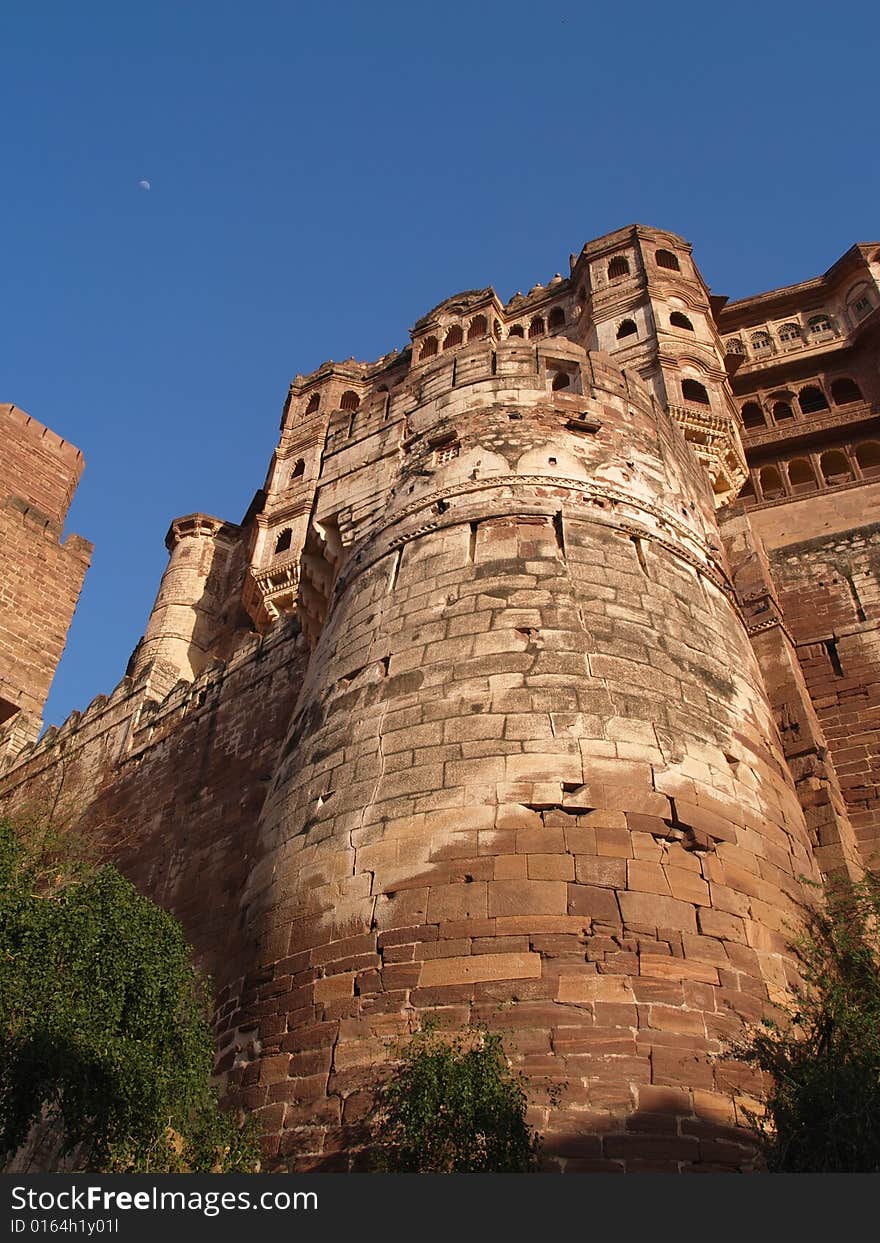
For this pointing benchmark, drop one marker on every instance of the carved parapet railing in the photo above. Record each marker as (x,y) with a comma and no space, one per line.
(271,591)
(804,429)
(715,440)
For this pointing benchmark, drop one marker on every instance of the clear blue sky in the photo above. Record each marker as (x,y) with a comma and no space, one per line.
(323,173)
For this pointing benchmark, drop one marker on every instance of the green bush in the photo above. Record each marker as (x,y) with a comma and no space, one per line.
(823,1057)
(454,1106)
(103,1022)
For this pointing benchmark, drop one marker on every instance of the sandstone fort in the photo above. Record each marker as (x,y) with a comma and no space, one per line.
(541,673)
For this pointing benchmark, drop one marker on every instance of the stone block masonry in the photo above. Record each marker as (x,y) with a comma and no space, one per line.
(42,576)
(495,709)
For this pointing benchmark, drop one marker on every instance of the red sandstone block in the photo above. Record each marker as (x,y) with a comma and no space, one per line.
(516,897)
(654,910)
(675,1019)
(456,928)
(645,877)
(677,969)
(602,871)
(403,936)
(593,902)
(613,843)
(685,885)
(512,925)
(550,867)
(474,968)
(672,1101)
(274,1069)
(540,841)
(457,901)
(511,867)
(399,953)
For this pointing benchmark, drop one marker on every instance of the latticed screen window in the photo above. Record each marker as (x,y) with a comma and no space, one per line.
(446,453)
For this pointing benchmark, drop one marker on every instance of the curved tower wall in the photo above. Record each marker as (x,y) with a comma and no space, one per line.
(186,616)
(533,781)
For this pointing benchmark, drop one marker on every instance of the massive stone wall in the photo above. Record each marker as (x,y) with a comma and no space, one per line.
(42,577)
(174,786)
(829,589)
(532,780)
(480,715)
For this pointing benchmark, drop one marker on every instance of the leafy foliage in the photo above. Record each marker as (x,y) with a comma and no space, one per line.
(823,1108)
(103,1020)
(454,1106)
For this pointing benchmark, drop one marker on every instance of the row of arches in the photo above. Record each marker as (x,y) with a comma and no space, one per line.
(479,327)
(618,267)
(811,399)
(813,472)
(791,333)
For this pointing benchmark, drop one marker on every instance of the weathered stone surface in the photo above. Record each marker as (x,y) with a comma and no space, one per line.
(472,719)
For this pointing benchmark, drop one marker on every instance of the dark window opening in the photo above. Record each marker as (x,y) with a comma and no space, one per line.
(679,320)
(845,390)
(349,400)
(454,337)
(556,318)
(811,399)
(753,415)
(693,390)
(314,403)
(618,267)
(478,328)
(283,542)
(536,327)
(627,329)
(666,259)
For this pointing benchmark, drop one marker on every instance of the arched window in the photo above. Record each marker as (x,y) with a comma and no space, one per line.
(868,458)
(747,492)
(349,400)
(666,259)
(283,541)
(299,469)
(619,266)
(516,331)
(478,328)
(536,327)
(859,302)
(771,483)
(314,403)
(679,320)
(734,346)
(835,467)
(844,391)
(811,399)
(556,319)
(790,332)
(753,415)
(818,324)
(561,380)
(781,411)
(801,475)
(454,336)
(429,347)
(761,341)
(693,390)
(627,328)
